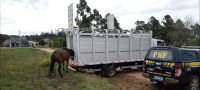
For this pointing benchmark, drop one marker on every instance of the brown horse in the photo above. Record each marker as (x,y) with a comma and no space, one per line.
(60,57)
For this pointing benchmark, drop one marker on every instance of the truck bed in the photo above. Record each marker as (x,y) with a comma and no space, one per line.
(93,49)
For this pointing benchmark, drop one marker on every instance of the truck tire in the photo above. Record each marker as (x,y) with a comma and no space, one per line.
(103,70)
(193,84)
(77,69)
(110,71)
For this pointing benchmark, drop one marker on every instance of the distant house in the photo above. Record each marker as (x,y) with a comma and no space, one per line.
(16,42)
(33,44)
(46,40)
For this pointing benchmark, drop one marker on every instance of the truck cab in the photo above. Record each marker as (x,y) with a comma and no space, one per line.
(166,64)
(157,42)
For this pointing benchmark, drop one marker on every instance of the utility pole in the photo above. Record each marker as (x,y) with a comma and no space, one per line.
(10,42)
(19,40)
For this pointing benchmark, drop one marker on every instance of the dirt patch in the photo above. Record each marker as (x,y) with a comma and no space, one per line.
(131,80)
(49,50)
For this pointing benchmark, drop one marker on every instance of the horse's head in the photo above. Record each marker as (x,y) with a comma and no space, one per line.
(71,52)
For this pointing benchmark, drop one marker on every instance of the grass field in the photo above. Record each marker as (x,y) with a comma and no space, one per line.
(27,68)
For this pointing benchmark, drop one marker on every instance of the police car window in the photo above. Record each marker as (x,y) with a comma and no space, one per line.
(160,55)
(189,55)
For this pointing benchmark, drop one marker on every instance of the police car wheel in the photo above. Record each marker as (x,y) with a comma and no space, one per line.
(156,82)
(140,68)
(193,83)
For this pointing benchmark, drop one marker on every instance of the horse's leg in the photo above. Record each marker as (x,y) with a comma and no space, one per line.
(59,70)
(63,65)
(51,70)
(67,62)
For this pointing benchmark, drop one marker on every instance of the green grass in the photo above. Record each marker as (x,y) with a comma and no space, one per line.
(27,69)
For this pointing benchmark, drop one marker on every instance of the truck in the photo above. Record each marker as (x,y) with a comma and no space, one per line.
(173,64)
(104,52)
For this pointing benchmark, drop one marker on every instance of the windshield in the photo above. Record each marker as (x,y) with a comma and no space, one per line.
(160,43)
(160,55)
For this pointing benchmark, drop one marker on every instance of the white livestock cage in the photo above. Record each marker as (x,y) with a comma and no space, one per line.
(94,50)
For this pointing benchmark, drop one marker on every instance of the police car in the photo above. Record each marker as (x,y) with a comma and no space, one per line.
(167,64)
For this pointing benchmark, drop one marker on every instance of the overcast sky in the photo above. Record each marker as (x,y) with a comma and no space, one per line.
(36,16)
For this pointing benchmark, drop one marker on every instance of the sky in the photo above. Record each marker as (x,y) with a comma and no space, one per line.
(36,16)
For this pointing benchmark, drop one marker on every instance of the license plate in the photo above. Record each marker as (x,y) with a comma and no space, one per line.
(159,78)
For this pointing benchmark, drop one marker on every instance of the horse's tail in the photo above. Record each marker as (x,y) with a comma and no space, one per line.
(51,70)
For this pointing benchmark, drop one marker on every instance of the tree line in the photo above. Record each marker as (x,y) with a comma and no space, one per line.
(174,32)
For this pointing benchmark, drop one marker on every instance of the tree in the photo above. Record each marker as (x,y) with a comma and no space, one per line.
(59,42)
(188,21)
(196,34)
(83,19)
(168,25)
(103,23)
(116,24)
(139,25)
(3,37)
(61,34)
(41,42)
(196,30)
(87,19)
(195,41)
(34,37)
(96,16)
(155,26)
(181,35)
(168,21)
(174,33)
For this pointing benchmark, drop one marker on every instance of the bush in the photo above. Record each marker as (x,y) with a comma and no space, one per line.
(42,42)
(59,42)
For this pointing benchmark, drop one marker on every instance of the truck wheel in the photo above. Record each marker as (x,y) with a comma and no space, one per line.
(193,83)
(110,70)
(77,69)
(103,70)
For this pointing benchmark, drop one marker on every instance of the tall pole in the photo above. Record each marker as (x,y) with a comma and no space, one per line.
(19,40)
(70,24)
(10,42)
